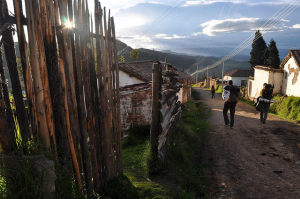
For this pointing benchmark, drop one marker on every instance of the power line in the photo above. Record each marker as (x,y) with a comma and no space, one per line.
(246,41)
(238,50)
(207,45)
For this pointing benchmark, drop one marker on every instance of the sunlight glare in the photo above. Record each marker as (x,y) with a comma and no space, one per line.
(69,24)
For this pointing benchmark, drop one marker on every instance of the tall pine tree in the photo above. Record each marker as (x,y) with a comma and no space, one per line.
(273,59)
(259,52)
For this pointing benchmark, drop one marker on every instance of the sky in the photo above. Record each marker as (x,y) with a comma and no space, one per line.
(177,24)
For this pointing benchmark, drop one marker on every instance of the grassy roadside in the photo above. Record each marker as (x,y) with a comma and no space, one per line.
(287,108)
(185,171)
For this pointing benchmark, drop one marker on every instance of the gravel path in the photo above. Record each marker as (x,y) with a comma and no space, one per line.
(254,160)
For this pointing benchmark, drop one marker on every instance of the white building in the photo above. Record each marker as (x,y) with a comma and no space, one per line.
(291,68)
(239,77)
(263,74)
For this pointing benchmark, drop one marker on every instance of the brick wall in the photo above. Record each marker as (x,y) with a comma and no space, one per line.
(136,103)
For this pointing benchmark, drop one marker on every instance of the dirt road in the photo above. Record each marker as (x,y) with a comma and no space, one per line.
(254,160)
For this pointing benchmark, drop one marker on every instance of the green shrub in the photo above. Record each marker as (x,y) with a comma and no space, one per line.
(286,107)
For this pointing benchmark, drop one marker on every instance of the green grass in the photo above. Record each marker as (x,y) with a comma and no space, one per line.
(286,107)
(219,88)
(244,100)
(187,162)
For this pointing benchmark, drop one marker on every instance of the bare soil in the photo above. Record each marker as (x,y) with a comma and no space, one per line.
(253,160)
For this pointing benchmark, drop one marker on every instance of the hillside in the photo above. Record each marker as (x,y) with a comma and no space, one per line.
(181,60)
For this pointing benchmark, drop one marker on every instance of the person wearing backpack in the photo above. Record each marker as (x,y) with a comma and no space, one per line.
(230,103)
(265,93)
(213,90)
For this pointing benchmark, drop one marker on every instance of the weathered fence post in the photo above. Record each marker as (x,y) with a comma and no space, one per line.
(9,115)
(12,66)
(155,123)
(118,119)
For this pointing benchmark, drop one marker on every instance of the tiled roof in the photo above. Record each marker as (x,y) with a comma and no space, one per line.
(240,73)
(295,54)
(143,71)
(268,69)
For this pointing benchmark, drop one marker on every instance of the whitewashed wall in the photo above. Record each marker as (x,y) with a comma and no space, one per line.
(277,83)
(261,77)
(288,88)
(125,79)
(237,81)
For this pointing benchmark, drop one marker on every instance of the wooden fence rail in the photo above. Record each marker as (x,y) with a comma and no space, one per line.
(72,87)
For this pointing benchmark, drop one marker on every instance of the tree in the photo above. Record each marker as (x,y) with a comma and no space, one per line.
(259,52)
(134,54)
(273,59)
(122,58)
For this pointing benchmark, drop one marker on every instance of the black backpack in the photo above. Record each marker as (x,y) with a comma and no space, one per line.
(268,91)
(233,96)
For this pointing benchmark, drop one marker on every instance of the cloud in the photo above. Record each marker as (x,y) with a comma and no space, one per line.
(214,27)
(247,2)
(165,36)
(296,26)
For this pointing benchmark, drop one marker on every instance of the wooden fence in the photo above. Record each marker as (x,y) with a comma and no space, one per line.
(71,86)
(166,109)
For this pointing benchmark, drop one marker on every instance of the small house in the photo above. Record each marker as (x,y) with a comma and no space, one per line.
(264,74)
(291,67)
(136,92)
(238,77)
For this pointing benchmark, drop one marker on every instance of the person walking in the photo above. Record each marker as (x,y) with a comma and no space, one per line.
(266,94)
(213,90)
(230,104)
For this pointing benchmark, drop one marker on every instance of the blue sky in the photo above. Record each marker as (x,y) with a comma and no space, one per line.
(203,23)
(200,23)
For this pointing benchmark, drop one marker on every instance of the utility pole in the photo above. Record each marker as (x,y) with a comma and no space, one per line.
(197,75)
(207,77)
(223,75)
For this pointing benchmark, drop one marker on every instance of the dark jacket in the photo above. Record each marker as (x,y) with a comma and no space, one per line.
(233,90)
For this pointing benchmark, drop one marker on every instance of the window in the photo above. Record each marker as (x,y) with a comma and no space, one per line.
(244,83)
(285,74)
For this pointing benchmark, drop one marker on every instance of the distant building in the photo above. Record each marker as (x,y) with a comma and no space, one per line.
(285,79)
(238,77)
(263,74)
(291,68)
(136,92)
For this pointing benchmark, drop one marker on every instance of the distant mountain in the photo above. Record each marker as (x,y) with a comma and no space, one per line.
(221,52)
(183,61)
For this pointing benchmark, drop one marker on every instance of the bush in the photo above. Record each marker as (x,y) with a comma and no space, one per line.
(286,107)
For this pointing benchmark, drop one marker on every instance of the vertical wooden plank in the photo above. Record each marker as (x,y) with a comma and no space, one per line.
(55,79)
(38,86)
(118,134)
(99,93)
(9,115)
(44,74)
(113,97)
(12,67)
(7,132)
(154,132)
(25,64)
(73,83)
(86,61)
(81,107)
(104,99)
(108,108)
(7,143)
(66,58)
(95,106)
